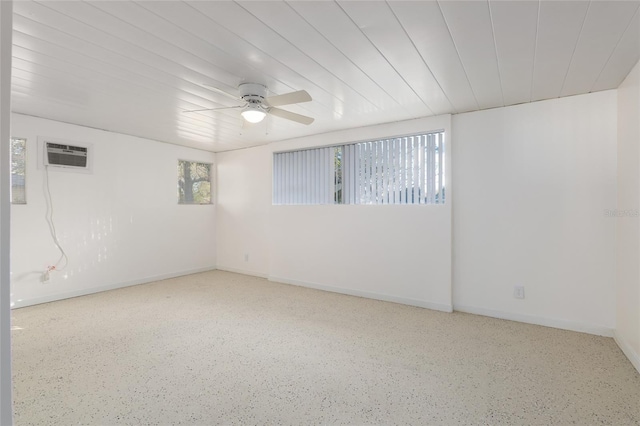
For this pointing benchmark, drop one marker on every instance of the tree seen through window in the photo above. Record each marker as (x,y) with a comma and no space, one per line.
(194,182)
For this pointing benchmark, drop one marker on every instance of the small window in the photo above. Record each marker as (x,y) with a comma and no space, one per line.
(194,182)
(402,170)
(18,170)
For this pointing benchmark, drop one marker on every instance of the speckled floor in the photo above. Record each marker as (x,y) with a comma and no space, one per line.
(219,347)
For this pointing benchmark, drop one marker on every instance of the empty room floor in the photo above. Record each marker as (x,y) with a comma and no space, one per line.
(224,348)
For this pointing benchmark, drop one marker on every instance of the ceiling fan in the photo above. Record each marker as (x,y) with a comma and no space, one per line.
(256,103)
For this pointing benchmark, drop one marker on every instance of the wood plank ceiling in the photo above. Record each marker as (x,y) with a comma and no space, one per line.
(133,67)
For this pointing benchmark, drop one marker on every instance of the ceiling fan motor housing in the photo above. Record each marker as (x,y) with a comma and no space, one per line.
(253,93)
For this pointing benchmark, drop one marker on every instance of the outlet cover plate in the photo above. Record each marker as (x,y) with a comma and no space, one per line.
(518,292)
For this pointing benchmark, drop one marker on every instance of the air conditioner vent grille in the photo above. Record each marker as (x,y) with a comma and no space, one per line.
(66,155)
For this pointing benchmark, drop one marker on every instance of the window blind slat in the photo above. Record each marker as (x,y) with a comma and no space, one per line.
(353,173)
(320,177)
(324,176)
(441,167)
(430,170)
(360,170)
(415,186)
(280,186)
(374,172)
(432,167)
(365,173)
(419,170)
(295,179)
(435,169)
(287,189)
(276,181)
(355,160)
(401,170)
(407,168)
(330,178)
(385,173)
(346,174)
(275,184)
(306,177)
(437,165)
(423,176)
(302,176)
(379,174)
(409,150)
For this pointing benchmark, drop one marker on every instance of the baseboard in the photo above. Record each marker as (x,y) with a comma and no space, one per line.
(633,356)
(369,295)
(86,291)
(533,319)
(242,271)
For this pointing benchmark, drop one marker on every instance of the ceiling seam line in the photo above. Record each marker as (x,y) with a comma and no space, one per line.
(455,111)
(614,49)
(495,47)
(575,47)
(535,53)
(385,58)
(464,69)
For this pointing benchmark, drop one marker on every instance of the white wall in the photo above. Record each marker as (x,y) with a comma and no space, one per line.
(244,205)
(628,231)
(120,225)
(532,184)
(400,253)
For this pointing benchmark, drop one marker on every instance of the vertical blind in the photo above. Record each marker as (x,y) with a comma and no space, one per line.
(304,177)
(402,170)
(407,170)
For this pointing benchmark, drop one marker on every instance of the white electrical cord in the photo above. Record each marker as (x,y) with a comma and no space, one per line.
(52,227)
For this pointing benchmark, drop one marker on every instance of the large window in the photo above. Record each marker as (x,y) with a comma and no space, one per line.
(194,182)
(402,170)
(18,170)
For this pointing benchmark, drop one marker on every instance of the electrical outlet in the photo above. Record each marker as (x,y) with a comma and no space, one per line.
(246,257)
(518,292)
(46,277)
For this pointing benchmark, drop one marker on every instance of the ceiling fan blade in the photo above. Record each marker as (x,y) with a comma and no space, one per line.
(302,119)
(211,109)
(289,98)
(222,92)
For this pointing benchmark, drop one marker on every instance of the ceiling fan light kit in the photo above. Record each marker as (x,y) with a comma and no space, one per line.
(257,105)
(253,113)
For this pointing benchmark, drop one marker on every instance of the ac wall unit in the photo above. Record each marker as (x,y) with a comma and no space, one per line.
(66,155)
